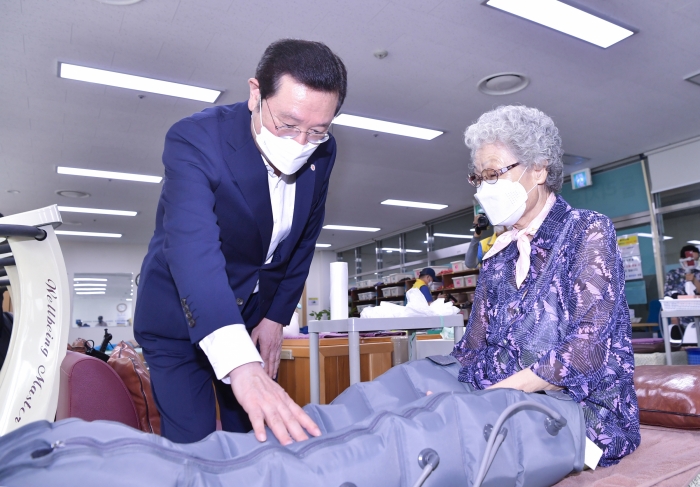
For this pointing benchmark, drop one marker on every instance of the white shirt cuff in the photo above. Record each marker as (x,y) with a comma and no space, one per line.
(227,348)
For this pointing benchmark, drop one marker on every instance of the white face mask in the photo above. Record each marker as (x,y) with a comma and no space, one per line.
(504,201)
(287,155)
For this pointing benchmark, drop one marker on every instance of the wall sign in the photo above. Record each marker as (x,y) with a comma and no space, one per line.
(631,256)
(581,179)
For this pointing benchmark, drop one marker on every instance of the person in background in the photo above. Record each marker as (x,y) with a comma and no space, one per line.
(100,322)
(549,311)
(479,246)
(677,281)
(427,277)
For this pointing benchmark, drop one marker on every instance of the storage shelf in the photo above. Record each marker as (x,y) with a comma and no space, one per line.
(455,290)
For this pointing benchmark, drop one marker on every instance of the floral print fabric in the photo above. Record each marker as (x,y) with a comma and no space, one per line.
(569,323)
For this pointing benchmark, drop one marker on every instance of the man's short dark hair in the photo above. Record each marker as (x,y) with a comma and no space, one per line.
(688,248)
(310,63)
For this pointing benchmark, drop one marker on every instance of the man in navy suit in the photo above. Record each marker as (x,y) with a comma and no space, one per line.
(241,208)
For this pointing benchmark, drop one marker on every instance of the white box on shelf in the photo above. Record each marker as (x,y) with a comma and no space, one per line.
(366,296)
(459,282)
(458,266)
(470,281)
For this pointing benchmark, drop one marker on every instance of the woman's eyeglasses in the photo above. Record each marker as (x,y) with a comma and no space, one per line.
(489,175)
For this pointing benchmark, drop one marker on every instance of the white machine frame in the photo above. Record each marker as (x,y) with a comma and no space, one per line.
(29,379)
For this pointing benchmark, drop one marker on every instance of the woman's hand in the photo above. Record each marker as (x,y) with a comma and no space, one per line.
(526,381)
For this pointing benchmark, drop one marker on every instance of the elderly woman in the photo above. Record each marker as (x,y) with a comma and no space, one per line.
(549,310)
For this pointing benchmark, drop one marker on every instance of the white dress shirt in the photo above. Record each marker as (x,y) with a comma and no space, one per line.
(230,347)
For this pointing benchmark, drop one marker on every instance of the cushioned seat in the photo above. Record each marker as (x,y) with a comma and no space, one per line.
(91,390)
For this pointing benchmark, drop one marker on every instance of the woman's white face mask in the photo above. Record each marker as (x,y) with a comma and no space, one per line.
(504,201)
(287,155)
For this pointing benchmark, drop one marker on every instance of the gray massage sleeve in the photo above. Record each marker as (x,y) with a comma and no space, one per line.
(372,435)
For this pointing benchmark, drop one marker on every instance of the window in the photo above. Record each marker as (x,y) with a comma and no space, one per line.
(457,229)
(368,254)
(416,245)
(391,252)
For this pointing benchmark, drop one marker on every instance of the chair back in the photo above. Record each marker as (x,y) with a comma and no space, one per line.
(91,390)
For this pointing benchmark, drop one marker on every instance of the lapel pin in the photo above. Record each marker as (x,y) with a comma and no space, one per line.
(313,167)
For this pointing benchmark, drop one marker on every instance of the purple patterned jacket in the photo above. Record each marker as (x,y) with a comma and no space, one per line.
(569,323)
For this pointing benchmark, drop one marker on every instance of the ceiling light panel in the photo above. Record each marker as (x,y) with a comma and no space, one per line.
(322,246)
(351,228)
(96,211)
(565,18)
(408,251)
(96,279)
(90,292)
(93,173)
(385,127)
(88,234)
(694,242)
(452,235)
(89,284)
(138,83)
(414,204)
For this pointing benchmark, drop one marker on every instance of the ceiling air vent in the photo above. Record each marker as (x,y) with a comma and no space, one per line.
(694,78)
(572,160)
(503,83)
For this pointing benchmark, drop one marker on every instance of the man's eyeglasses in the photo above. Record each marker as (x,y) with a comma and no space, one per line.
(291,132)
(489,175)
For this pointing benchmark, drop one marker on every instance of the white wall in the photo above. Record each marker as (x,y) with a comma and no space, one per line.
(102,257)
(318,284)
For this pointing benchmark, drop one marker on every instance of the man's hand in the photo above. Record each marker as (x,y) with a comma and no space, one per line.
(266,402)
(268,336)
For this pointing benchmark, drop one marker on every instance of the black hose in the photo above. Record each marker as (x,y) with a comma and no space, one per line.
(22,231)
(3,272)
(4,262)
(4,282)
(5,248)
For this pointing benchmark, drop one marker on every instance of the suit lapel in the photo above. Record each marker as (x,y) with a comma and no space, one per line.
(249,171)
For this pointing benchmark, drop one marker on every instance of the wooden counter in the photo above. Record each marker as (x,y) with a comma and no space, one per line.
(293,376)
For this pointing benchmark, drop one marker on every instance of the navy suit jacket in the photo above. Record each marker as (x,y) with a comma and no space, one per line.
(214,227)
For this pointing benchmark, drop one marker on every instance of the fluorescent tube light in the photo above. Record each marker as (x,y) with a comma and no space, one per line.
(96,211)
(414,204)
(138,83)
(649,235)
(350,228)
(565,18)
(91,292)
(129,299)
(83,289)
(322,246)
(93,173)
(386,127)
(95,279)
(88,234)
(694,242)
(452,235)
(89,284)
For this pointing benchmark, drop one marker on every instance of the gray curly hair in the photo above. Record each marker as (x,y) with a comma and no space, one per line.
(529,134)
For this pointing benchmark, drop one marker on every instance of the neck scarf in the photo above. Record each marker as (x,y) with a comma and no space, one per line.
(522,237)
